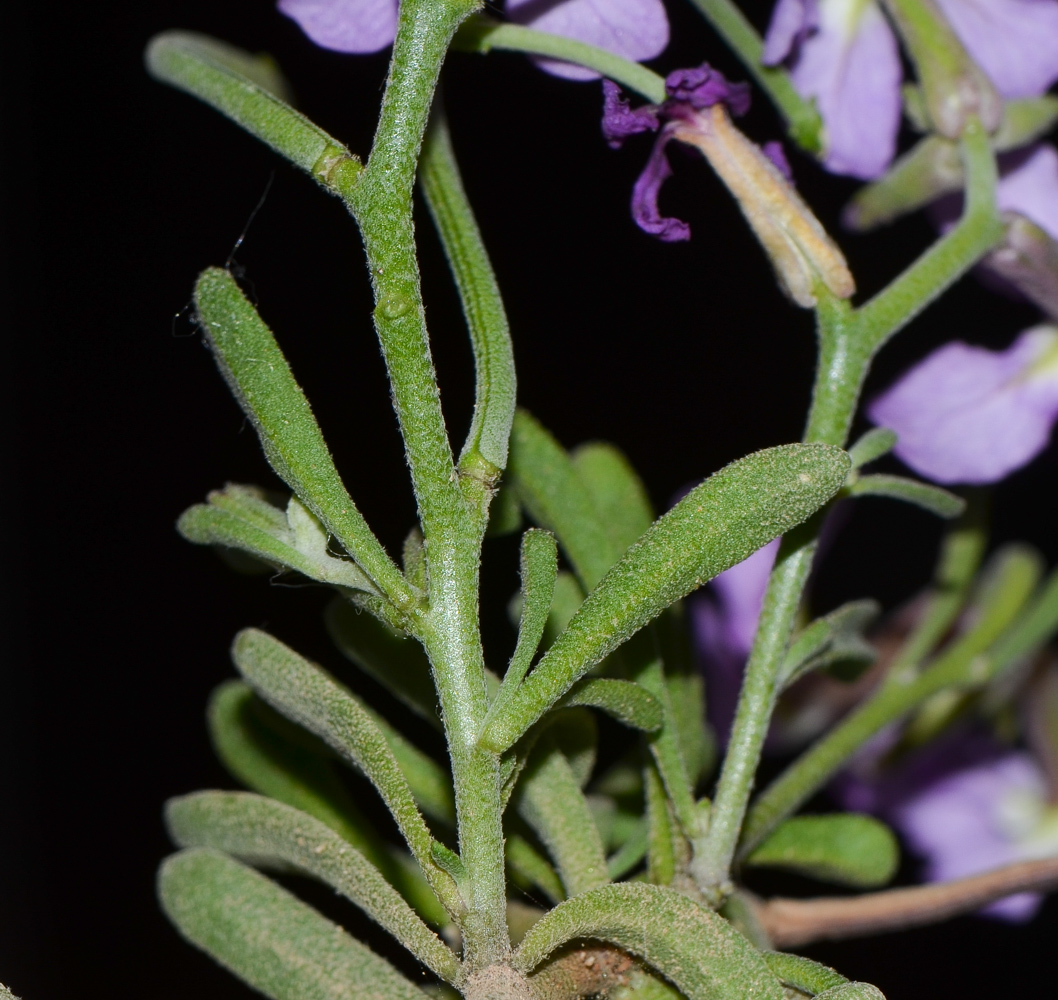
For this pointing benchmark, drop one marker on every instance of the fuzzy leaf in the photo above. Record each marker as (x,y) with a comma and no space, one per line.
(847,848)
(532,868)
(393,659)
(268,937)
(625,701)
(262,831)
(932,498)
(878,441)
(694,948)
(802,973)
(539,565)
(261,380)
(718,524)
(620,498)
(549,799)
(304,693)
(556,497)
(836,638)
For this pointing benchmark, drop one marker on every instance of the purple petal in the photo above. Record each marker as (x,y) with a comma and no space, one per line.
(792,21)
(645,197)
(619,121)
(703,86)
(774,152)
(1029,186)
(978,819)
(1014,41)
(345,25)
(851,66)
(970,415)
(741,593)
(635,29)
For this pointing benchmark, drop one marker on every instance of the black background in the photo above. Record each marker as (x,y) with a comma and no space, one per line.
(116,191)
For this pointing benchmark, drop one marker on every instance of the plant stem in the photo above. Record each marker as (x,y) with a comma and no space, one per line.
(482,34)
(802,119)
(380,198)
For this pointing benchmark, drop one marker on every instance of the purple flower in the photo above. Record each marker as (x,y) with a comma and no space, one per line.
(964,804)
(1014,41)
(1029,186)
(635,29)
(843,55)
(980,818)
(969,415)
(724,627)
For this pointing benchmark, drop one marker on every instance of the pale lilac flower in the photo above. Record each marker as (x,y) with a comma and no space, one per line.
(964,804)
(725,622)
(635,29)
(843,54)
(1028,185)
(969,415)
(1014,41)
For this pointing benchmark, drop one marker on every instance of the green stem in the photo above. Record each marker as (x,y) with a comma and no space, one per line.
(802,119)
(381,200)
(979,229)
(839,376)
(482,34)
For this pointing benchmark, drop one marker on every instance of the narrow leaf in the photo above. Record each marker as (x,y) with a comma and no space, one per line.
(532,868)
(718,524)
(549,799)
(250,91)
(694,948)
(242,525)
(1034,626)
(697,744)
(878,441)
(662,836)
(802,973)
(836,637)
(262,831)
(568,597)
(261,380)
(847,848)
(393,659)
(931,498)
(556,497)
(620,498)
(539,565)
(630,853)
(496,384)
(269,938)
(626,701)
(303,692)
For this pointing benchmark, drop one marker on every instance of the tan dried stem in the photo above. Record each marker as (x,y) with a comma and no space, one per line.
(794,922)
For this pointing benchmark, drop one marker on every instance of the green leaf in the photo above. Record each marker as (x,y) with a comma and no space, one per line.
(698,951)
(269,938)
(235,519)
(630,853)
(262,831)
(549,799)
(496,384)
(802,973)
(556,497)
(626,701)
(697,745)
(568,597)
(619,496)
(261,380)
(846,848)
(878,441)
(247,89)
(303,692)
(834,639)
(393,659)
(662,836)
(532,868)
(505,514)
(931,498)
(539,564)
(718,524)
(1034,626)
